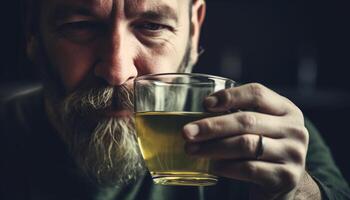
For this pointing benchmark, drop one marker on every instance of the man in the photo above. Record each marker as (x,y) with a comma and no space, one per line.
(75,138)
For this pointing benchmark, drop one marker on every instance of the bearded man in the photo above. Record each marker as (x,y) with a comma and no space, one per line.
(74,137)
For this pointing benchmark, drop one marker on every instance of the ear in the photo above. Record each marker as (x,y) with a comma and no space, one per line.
(31,47)
(198,15)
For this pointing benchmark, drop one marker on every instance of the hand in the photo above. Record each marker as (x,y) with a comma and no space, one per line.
(232,139)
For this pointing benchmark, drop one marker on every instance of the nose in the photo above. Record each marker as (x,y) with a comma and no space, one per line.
(116,63)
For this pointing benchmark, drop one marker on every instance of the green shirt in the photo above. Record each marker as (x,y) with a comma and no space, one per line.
(35,164)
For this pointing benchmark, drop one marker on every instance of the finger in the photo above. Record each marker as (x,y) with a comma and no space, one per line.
(252,96)
(236,124)
(268,175)
(244,147)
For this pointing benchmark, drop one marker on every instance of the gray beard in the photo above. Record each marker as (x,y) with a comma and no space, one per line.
(104,148)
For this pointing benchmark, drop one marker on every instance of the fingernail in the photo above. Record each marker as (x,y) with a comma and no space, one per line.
(191,130)
(193,148)
(211,101)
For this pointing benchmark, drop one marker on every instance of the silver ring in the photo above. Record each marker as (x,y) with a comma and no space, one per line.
(260,148)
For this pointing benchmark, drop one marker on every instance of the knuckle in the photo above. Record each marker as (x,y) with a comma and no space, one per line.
(250,169)
(296,153)
(208,125)
(246,121)
(226,98)
(289,178)
(301,133)
(247,144)
(304,135)
(258,92)
(299,114)
(257,89)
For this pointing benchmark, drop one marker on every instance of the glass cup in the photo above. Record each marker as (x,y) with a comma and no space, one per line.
(164,103)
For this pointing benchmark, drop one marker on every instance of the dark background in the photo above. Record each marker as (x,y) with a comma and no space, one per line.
(298,48)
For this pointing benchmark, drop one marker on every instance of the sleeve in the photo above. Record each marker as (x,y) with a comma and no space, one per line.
(321,166)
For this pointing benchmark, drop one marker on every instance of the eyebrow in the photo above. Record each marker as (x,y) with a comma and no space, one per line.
(157,13)
(62,11)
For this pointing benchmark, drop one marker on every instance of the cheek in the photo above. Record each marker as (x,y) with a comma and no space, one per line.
(159,64)
(164,59)
(72,62)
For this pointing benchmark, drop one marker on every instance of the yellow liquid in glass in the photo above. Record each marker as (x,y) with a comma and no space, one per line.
(162,146)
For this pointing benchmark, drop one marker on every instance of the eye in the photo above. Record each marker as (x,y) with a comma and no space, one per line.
(152,26)
(81,31)
(151,32)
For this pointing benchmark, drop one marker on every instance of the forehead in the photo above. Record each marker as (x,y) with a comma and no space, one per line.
(128,8)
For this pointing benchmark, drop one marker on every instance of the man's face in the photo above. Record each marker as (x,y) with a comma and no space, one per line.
(114,40)
(92,50)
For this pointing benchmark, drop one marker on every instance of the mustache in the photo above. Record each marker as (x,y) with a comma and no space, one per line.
(98,98)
